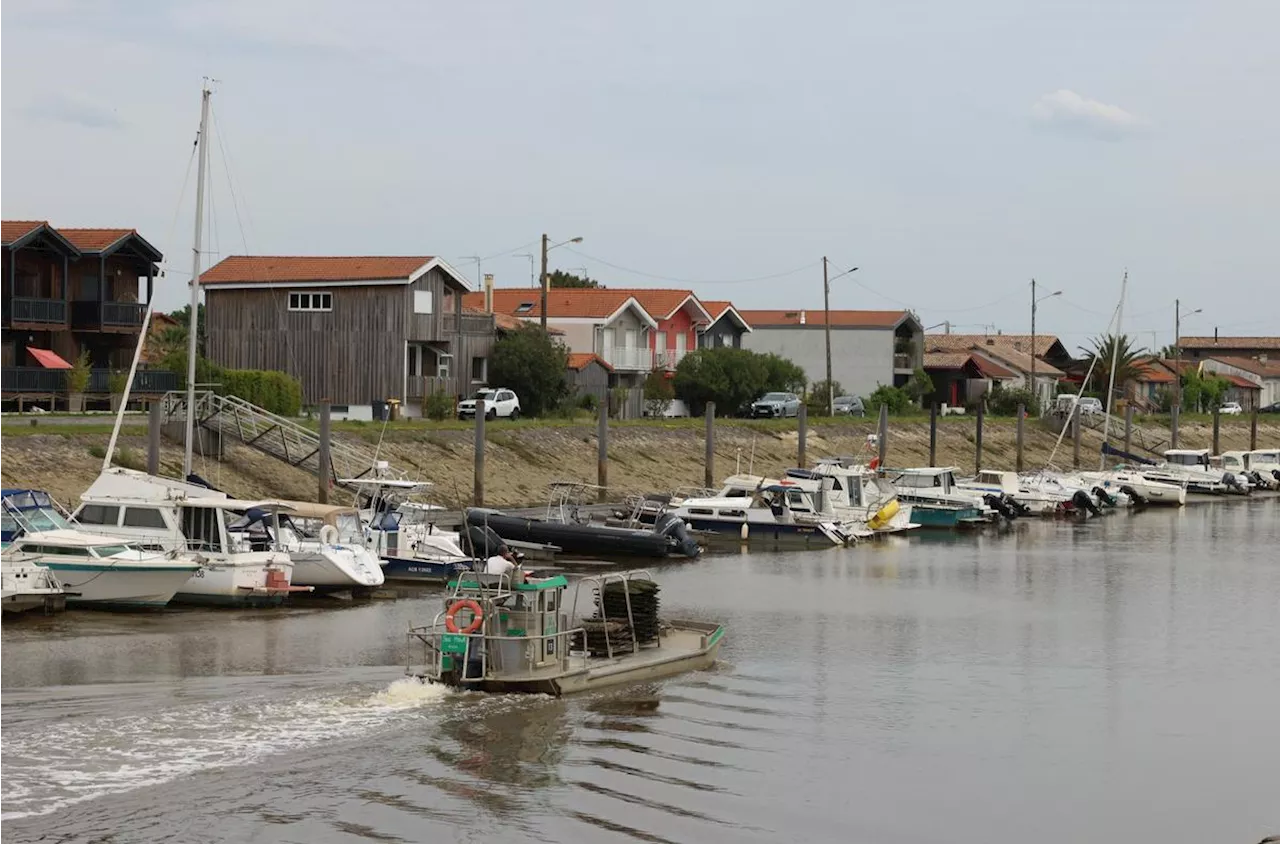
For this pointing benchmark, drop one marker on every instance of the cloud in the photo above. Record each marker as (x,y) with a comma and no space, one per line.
(1070,112)
(78,111)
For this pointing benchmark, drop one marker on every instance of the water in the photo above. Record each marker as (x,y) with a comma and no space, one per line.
(1118,680)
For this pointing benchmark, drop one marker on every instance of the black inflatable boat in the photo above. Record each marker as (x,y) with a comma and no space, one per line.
(668,538)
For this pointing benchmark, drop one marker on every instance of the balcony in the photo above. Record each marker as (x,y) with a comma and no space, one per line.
(669,359)
(635,359)
(40,381)
(902,362)
(467,324)
(38,312)
(108,316)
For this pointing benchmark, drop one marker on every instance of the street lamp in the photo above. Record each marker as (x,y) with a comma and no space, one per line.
(1177,350)
(533,270)
(1035,391)
(546,282)
(826,320)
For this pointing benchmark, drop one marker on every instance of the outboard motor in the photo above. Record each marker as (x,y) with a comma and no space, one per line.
(997,503)
(1018,507)
(1104,497)
(1233,482)
(1138,500)
(1083,502)
(1275,473)
(674,528)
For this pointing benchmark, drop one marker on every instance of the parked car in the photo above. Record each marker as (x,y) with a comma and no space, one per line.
(1231,408)
(1274,407)
(1088,404)
(774,405)
(499,403)
(849,406)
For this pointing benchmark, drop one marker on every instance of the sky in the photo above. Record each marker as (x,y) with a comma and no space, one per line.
(949,151)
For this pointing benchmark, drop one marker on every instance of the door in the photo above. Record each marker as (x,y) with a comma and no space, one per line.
(682,346)
(606,344)
(629,357)
(660,346)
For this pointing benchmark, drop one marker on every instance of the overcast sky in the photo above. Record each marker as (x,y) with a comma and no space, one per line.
(952,151)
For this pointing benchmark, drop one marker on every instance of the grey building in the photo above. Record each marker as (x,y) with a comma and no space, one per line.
(726,328)
(868,348)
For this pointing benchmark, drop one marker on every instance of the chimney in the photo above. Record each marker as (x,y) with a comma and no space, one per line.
(802,318)
(488,293)
(1215,335)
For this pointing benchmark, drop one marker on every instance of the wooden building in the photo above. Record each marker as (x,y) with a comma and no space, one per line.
(588,374)
(726,328)
(356,331)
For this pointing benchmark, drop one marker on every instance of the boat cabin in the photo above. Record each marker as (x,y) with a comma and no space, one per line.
(73,545)
(192,524)
(1195,458)
(303,522)
(1006,482)
(1264,457)
(934,478)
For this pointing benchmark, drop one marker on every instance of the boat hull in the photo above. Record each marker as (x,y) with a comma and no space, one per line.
(577,540)
(421,570)
(336,568)
(120,586)
(764,533)
(242,583)
(946,518)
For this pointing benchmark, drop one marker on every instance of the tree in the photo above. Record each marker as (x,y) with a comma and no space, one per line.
(183,318)
(732,378)
(560,278)
(1168,352)
(1202,391)
(658,392)
(920,384)
(895,397)
(820,397)
(1005,401)
(1109,349)
(782,375)
(533,363)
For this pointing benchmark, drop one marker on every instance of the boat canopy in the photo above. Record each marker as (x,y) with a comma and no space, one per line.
(26,499)
(235,504)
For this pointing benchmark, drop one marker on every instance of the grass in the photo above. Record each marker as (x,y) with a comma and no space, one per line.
(71,430)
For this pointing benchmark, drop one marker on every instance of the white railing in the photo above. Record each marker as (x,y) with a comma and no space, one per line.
(668,358)
(621,357)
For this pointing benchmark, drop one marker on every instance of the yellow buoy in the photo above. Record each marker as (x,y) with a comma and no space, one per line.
(881,519)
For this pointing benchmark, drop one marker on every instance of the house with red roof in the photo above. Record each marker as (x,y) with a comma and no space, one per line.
(355,330)
(68,291)
(679,317)
(960,378)
(602,321)
(868,348)
(726,328)
(1262,373)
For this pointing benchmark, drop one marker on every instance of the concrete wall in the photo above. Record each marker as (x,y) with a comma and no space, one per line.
(861,358)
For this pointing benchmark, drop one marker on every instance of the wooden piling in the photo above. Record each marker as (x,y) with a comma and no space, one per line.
(602,454)
(884,435)
(1217,430)
(1128,428)
(933,434)
(478,493)
(709,474)
(325,469)
(1173,426)
(1022,413)
(802,425)
(1075,437)
(977,439)
(1253,430)
(154,422)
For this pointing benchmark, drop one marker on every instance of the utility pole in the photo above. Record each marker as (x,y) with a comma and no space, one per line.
(1033,344)
(545,282)
(826,324)
(1177,354)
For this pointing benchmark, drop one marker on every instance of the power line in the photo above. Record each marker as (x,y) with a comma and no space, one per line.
(665,277)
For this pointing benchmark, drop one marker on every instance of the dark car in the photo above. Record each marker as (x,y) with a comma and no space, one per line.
(1274,407)
(775,405)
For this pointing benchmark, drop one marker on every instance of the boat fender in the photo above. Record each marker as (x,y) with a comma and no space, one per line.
(328,535)
(745,532)
(477,616)
(1137,499)
(1084,502)
(881,519)
(1103,497)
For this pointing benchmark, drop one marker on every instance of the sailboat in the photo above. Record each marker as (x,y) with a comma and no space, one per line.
(184,518)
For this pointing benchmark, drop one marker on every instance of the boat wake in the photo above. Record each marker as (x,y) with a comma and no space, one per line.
(49,765)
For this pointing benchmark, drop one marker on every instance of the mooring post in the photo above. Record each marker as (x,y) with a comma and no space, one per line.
(153,438)
(325,468)
(1253,430)
(1075,437)
(977,439)
(1022,413)
(1128,428)
(478,493)
(1173,426)
(802,424)
(710,460)
(933,434)
(1217,429)
(884,435)
(602,454)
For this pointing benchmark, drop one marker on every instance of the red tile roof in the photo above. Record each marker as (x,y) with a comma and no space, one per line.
(842,319)
(1237,381)
(288,269)
(1020,361)
(1229,342)
(1153,371)
(568,302)
(11,230)
(1265,368)
(578,360)
(660,303)
(946,360)
(717,309)
(94,240)
(1017,342)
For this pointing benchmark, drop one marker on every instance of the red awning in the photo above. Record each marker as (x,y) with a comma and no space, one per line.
(48,359)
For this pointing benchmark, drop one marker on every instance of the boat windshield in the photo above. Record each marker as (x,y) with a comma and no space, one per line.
(110,550)
(1187,459)
(37,511)
(917,481)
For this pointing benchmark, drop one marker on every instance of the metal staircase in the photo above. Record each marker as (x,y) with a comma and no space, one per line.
(1152,442)
(238,420)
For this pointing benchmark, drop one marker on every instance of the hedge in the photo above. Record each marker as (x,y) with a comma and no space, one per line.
(272,391)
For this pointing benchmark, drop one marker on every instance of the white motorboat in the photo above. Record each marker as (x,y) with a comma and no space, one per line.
(786,512)
(1192,466)
(936,487)
(192,521)
(858,496)
(95,570)
(325,542)
(25,585)
(1033,495)
(1261,467)
(1139,488)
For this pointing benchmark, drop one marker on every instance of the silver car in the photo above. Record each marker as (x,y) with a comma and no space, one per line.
(849,406)
(776,405)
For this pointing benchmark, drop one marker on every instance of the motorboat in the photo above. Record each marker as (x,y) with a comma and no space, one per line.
(96,571)
(1029,495)
(494,633)
(1264,460)
(25,585)
(857,495)
(1262,468)
(937,501)
(791,511)
(1192,466)
(326,543)
(191,520)
(1140,489)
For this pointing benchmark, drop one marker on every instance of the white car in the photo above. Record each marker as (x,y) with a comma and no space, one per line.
(1231,408)
(499,403)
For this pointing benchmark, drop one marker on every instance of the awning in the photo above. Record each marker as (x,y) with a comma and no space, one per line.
(48,359)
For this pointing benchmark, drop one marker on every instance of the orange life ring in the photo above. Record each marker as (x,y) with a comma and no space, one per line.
(477,616)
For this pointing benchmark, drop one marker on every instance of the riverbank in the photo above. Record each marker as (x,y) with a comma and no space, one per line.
(523,457)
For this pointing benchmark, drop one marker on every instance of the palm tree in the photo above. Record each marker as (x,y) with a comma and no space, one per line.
(1111,349)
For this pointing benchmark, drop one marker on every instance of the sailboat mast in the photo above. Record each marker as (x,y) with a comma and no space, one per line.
(193,321)
(1115,359)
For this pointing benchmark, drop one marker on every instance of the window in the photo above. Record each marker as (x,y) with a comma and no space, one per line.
(682,343)
(661,344)
(422,301)
(524,307)
(442,365)
(146,517)
(106,551)
(479,370)
(311,301)
(98,514)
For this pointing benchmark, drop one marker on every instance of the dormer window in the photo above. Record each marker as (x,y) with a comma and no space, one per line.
(524,308)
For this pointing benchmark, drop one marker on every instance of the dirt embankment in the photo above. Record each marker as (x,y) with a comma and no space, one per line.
(521,460)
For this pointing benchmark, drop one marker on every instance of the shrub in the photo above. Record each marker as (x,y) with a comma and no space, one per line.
(781,375)
(275,392)
(820,397)
(1004,402)
(658,393)
(895,398)
(117,381)
(589,401)
(78,374)
(438,406)
(97,451)
(920,384)
(533,363)
(732,378)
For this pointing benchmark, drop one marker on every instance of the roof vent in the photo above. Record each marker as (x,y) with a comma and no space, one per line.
(990,342)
